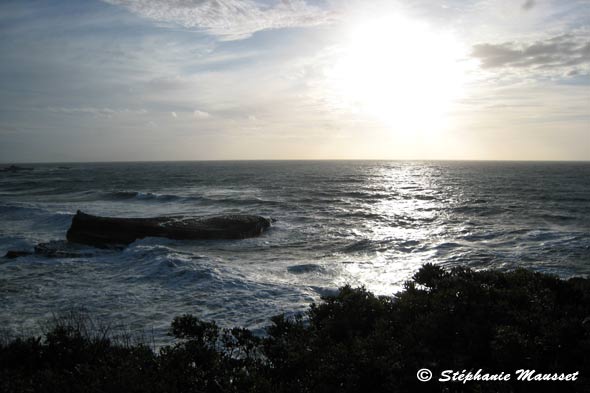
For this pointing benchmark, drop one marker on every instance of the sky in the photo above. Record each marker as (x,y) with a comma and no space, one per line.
(147,80)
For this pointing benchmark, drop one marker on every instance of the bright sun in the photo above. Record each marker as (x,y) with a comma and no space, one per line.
(399,72)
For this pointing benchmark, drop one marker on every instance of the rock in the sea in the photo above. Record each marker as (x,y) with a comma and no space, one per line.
(13,254)
(14,168)
(62,249)
(54,249)
(108,231)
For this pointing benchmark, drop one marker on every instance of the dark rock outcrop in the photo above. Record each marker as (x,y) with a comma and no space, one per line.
(62,249)
(109,231)
(54,249)
(14,168)
(13,254)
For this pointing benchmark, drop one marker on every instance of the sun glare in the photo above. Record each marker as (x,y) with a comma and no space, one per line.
(399,72)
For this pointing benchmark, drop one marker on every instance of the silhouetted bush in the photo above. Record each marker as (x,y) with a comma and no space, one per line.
(352,342)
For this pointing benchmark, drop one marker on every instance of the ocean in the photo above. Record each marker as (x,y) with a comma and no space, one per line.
(370,223)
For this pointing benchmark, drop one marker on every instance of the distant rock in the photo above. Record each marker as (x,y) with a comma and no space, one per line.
(13,254)
(54,249)
(14,168)
(109,231)
(62,249)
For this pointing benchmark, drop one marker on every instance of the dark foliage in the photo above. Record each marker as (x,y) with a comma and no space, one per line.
(353,342)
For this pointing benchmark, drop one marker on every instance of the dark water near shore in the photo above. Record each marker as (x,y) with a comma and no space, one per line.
(358,222)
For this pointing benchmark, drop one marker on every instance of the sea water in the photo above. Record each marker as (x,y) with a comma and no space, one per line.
(371,223)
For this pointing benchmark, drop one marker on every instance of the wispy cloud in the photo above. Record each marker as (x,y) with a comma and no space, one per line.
(201,114)
(228,19)
(106,112)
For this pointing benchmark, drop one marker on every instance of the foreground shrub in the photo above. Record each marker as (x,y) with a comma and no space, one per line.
(353,342)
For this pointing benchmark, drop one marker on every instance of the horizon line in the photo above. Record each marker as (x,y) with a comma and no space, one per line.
(291,160)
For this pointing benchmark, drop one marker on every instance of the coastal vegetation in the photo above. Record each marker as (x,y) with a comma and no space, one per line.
(457,319)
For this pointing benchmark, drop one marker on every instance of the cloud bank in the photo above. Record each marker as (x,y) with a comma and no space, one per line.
(228,19)
(566,50)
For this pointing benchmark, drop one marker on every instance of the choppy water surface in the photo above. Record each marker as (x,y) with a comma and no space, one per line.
(357,222)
